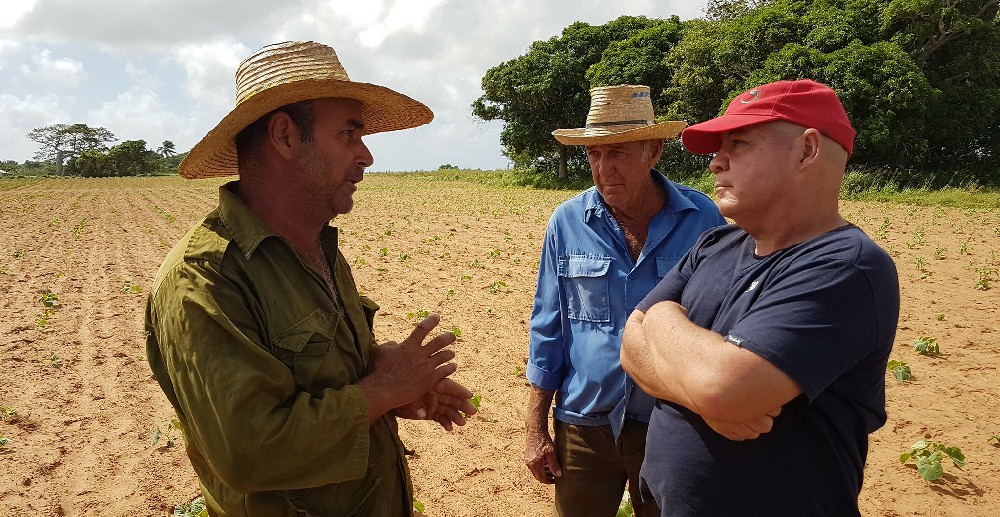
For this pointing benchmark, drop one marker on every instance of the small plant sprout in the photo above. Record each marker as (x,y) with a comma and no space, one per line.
(994,438)
(383,251)
(495,287)
(927,346)
(899,369)
(49,299)
(129,288)
(195,508)
(7,412)
(404,257)
(939,253)
(986,275)
(466,277)
(419,507)
(625,507)
(476,400)
(417,316)
(939,317)
(921,263)
(175,425)
(457,331)
(3,441)
(928,456)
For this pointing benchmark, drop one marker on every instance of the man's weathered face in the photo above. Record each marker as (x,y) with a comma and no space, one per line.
(621,171)
(334,161)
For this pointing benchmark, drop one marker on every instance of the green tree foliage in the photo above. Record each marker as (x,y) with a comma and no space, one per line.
(61,141)
(167,149)
(129,158)
(546,89)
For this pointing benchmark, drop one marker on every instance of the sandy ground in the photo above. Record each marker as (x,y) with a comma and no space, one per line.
(85,407)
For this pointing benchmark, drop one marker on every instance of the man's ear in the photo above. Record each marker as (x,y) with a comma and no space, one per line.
(810,141)
(282,134)
(656,151)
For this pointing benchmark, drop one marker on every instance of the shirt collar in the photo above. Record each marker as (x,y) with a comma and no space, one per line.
(246,229)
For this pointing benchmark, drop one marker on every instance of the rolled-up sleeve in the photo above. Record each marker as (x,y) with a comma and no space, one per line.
(546,353)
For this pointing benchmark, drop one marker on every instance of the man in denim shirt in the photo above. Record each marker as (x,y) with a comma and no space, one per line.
(604,250)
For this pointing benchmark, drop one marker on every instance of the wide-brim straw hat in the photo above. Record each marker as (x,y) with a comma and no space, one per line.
(622,113)
(290,72)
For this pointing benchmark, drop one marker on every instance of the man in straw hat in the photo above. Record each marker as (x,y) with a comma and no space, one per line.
(603,251)
(255,328)
(767,345)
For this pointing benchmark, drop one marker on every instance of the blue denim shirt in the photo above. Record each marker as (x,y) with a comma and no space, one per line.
(588,285)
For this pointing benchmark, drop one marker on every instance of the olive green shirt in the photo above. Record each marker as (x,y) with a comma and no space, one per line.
(260,359)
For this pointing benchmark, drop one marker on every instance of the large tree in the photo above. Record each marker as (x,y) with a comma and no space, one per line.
(61,141)
(547,89)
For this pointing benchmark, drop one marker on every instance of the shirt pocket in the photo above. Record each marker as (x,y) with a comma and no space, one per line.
(304,347)
(665,264)
(586,284)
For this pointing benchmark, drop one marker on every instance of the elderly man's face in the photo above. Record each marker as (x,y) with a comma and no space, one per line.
(621,171)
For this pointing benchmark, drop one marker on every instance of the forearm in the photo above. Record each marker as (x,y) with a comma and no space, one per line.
(539,404)
(638,361)
(703,372)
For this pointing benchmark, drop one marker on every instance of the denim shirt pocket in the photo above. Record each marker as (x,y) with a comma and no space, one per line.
(303,347)
(586,284)
(665,264)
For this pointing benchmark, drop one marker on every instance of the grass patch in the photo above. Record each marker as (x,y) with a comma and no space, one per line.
(13,183)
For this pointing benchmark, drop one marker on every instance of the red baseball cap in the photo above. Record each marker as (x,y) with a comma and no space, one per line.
(803,102)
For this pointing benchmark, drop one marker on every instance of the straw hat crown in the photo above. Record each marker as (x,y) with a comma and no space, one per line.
(622,113)
(290,72)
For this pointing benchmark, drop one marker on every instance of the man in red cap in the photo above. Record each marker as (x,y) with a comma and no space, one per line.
(767,345)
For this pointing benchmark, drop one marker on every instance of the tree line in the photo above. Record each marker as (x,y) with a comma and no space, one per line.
(81,150)
(920,78)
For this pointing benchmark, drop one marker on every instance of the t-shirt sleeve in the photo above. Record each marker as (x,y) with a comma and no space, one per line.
(814,321)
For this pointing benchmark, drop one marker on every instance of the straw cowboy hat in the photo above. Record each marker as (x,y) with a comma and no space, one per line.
(622,113)
(286,73)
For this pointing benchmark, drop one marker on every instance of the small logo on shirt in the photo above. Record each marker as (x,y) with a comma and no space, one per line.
(734,340)
(753,285)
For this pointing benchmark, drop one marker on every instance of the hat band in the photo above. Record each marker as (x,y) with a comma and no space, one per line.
(618,123)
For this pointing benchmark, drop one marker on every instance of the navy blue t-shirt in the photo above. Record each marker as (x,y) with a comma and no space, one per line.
(825,313)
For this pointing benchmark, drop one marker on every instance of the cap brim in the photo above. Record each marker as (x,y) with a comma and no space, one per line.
(384,110)
(706,137)
(613,135)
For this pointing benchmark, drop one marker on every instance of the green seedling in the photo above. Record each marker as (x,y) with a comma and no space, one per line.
(404,256)
(495,254)
(3,441)
(986,275)
(457,331)
(939,253)
(418,506)
(495,287)
(900,370)
(466,277)
(383,251)
(51,360)
(175,425)
(195,508)
(49,299)
(920,263)
(939,317)
(7,412)
(476,400)
(994,438)
(927,346)
(129,288)
(419,315)
(928,456)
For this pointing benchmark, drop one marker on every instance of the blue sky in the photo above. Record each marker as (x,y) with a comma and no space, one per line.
(157,70)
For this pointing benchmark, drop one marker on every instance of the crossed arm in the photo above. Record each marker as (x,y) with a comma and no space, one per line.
(737,392)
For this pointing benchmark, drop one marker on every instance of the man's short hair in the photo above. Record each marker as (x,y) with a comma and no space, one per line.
(251,136)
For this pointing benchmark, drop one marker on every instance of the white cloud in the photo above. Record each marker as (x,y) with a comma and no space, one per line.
(21,114)
(13,10)
(49,72)
(210,70)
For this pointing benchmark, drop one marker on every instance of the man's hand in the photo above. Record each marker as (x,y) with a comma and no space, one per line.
(402,373)
(540,455)
(539,451)
(448,403)
(746,430)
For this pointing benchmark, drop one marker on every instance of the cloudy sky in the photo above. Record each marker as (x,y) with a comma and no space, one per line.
(156,70)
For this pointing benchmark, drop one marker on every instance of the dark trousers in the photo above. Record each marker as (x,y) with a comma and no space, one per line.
(595,469)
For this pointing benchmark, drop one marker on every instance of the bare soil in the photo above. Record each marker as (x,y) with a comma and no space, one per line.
(86,407)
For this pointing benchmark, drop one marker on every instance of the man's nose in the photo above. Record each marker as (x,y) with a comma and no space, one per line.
(719,163)
(365,158)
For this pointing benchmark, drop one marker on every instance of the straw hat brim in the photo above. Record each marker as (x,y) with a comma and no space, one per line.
(383,109)
(619,134)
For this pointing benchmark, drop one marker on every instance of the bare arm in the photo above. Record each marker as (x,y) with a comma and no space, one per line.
(703,372)
(539,451)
